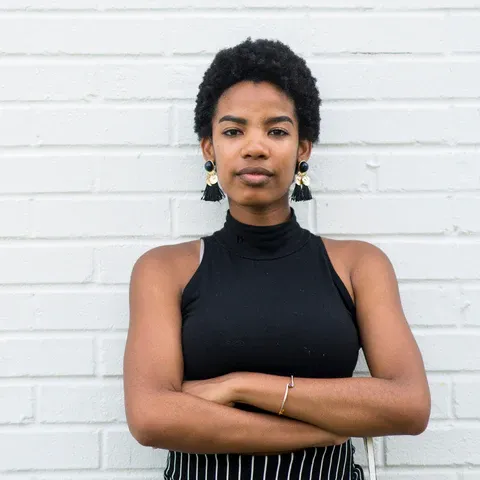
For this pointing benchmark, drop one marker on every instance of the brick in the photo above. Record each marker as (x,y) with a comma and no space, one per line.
(472,475)
(122,451)
(46,357)
(64,311)
(437,475)
(156,80)
(67,449)
(16,404)
(115,263)
(382,214)
(15,476)
(338,34)
(93,81)
(465,213)
(362,367)
(453,171)
(47,173)
(15,215)
(168,4)
(385,78)
(398,33)
(435,261)
(463,122)
(74,35)
(90,125)
(81,403)
(327,172)
(449,351)
(368,125)
(195,218)
(305,211)
(38,81)
(471,306)
(17,312)
(152,173)
(441,396)
(183,126)
(447,446)
(431,306)
(88,217)
(111,352)
(81,310)
(159,35)
(45,264)
(463,34)
(467,397)
(380,4)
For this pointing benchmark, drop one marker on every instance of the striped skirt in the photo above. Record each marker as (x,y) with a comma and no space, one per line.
(320,463)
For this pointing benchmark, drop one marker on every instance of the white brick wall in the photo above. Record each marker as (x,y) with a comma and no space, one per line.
(99,163)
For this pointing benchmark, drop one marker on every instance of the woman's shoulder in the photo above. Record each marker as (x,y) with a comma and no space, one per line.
(350,253)
(175,261)
(350,256)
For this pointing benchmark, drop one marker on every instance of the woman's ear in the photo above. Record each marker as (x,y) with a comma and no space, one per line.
(206,145)
(304,150)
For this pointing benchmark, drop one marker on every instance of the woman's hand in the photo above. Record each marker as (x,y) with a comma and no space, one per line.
(219,389)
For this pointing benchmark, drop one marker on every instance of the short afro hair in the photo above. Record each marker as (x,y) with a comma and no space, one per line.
(257,61)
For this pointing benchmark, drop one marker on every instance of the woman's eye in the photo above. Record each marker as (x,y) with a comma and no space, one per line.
(278,132)
(232,132)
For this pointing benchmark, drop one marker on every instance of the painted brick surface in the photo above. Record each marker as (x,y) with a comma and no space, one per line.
(99,163)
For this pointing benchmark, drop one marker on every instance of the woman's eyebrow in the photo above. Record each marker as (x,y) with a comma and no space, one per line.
(244,121)
(231,118)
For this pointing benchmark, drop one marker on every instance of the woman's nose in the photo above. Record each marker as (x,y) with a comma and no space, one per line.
(255,147)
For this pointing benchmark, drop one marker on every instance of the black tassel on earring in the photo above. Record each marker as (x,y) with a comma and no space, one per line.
(301,192)
(212,192)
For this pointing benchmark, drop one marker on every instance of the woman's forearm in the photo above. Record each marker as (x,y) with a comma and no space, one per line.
(353,407)
(183,422)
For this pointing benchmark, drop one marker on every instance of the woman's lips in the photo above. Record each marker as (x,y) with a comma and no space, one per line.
(255,176)
(254,179)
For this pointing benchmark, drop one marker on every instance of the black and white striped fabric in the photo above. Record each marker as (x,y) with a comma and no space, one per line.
(319,463)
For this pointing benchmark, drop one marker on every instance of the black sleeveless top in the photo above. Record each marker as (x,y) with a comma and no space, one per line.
(267,299)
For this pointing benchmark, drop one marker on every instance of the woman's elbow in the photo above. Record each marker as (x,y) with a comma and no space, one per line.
(420,422)
(150,435)
(147,431)
(419,414)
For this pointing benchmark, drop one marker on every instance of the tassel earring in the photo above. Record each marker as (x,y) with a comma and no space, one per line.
(301,192)
(212,192)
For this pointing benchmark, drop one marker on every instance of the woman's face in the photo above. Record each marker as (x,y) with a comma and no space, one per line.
(255,127)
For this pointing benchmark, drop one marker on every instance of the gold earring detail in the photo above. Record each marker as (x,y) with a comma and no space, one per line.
(301,192)
(212,192)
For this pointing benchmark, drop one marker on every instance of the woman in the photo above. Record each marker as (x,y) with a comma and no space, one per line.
(242,344)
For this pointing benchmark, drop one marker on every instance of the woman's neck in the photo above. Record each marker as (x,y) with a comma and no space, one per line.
(260,216)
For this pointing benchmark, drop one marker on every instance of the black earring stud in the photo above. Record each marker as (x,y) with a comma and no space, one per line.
(212,192)
(301,192)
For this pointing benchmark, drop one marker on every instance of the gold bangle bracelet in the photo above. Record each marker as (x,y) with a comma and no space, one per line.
(289,385)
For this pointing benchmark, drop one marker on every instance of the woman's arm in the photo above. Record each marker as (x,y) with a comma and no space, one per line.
(395,401)
(182,422)
(159,414)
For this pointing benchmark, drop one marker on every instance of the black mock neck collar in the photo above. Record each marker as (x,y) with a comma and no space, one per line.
(262,242)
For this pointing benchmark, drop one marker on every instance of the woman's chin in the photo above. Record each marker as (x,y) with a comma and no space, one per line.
(255,197)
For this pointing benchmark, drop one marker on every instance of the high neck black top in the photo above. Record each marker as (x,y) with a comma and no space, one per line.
(267,299)
(262,242)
